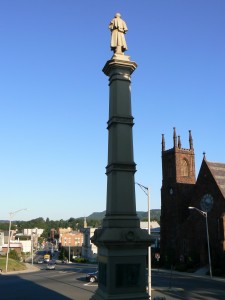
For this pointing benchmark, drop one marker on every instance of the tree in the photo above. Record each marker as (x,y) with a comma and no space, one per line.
(63,254)
(14,255)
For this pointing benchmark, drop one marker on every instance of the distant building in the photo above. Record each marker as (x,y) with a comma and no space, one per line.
(26,246)
(1,239)
(183,231)
(18,247)
(79,241)
(153,224)
(71,239)
(154,230)
(64,230)
(36,231)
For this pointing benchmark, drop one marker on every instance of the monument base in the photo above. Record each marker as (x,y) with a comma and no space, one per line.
(122,256)
(99,295)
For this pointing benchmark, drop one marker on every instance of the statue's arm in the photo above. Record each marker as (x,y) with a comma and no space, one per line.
(111,25)
(125,27)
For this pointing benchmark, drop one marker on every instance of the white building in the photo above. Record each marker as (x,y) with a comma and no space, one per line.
(154,230)
(37,231)
(26,246)
(1,240)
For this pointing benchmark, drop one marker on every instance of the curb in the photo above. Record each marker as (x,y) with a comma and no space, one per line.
(29,269)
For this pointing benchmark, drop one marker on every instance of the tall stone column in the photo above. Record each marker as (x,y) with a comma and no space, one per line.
(121,206)
(122,245)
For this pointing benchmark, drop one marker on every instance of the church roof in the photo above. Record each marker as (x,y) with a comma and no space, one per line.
(218,172)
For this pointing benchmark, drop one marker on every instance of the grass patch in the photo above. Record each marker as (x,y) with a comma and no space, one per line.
(13,265)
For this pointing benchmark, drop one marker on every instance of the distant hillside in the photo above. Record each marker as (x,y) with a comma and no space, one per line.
(154,215)
(97,216)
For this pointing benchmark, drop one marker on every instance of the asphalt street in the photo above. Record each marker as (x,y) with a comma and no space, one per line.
(68,282)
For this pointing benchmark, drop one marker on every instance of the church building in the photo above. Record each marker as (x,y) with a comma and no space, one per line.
(190,206)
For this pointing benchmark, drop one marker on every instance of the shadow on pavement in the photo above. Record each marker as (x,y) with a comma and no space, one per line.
(15,288)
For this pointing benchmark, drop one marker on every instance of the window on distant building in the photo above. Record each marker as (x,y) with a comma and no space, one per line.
(184,168)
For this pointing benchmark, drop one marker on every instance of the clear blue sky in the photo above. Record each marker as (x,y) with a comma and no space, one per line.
(54,97)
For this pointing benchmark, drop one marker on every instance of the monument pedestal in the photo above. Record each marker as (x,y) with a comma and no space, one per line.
(122,245)
(122,255)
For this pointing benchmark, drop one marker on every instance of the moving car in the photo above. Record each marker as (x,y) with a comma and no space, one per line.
(92,277)
(41,261)
(50,266)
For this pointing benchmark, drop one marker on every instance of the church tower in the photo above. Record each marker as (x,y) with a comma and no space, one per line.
(178,181)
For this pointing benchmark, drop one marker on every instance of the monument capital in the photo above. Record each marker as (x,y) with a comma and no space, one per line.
(126,66)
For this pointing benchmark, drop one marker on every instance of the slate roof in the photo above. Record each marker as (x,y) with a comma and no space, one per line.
(218,172)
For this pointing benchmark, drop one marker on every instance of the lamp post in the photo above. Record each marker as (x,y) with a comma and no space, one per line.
(64,241)
(147,192)
(69,249)
(11,215)
(207,234)
(32,247)
(69,241)
(32,258)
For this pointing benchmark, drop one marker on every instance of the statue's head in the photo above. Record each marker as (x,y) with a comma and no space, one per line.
(117,15)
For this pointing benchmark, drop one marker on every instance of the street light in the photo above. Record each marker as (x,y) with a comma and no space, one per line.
(146,191)
(32,247)
(11,215)
(204,214)
(65,241)
(69,249)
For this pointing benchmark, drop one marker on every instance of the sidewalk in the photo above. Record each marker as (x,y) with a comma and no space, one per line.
(199,273)
(29,268)
(162,293)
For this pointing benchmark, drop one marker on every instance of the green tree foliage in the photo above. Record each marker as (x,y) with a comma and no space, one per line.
(35,223)
(63,254)
(95,223)
(14,255)
(4,226)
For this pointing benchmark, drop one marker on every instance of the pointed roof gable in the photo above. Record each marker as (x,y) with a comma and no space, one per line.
(218,172)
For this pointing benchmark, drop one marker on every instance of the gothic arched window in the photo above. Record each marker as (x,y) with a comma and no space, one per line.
(184,168)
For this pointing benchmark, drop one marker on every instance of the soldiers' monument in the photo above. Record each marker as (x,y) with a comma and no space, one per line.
(122,245)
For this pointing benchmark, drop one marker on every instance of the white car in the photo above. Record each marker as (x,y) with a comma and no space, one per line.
(50,266)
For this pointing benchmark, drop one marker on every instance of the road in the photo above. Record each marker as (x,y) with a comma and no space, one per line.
(68,282)
(189,287)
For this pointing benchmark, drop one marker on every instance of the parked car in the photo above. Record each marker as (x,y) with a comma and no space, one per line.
(92,277)
(50,266)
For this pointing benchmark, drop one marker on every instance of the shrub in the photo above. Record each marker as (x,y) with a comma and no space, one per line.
(14,255)
(80,260)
